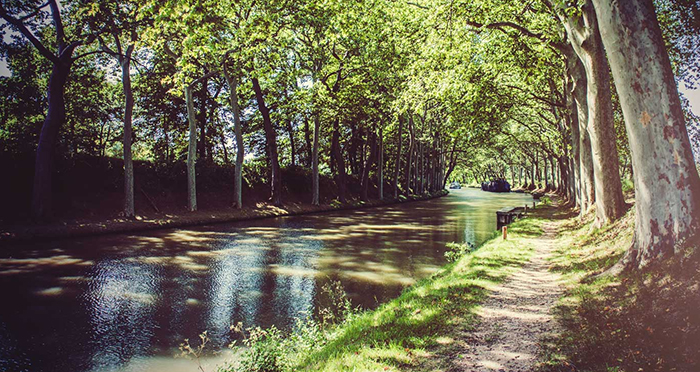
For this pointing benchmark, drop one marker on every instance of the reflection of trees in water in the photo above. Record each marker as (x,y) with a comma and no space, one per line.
(295,282)
(236,284)
(121,298)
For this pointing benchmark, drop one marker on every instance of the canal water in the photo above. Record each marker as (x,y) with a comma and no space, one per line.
(125,302)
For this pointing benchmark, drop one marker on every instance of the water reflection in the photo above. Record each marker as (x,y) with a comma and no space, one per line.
(235,286)
(123,303)
(122,299)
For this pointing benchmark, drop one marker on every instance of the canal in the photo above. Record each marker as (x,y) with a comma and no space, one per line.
(125,302)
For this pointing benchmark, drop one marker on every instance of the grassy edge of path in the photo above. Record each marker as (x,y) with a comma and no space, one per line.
(403,333)
(636,321)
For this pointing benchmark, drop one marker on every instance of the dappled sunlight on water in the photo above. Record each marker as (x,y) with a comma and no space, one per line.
(125,302)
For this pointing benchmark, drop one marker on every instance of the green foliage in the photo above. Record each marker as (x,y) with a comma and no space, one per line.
(627,185)
(338,307)
(455,251)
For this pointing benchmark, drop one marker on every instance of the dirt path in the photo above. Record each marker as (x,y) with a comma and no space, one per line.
(514,317)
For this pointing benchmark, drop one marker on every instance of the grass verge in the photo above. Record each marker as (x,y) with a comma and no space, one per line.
(640,320)
(402,333)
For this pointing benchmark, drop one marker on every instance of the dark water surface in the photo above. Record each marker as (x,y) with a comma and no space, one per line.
(125,302)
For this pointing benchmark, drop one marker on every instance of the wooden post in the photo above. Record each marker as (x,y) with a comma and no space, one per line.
(505,232)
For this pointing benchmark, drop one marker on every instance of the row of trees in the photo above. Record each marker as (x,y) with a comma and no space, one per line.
(404,92)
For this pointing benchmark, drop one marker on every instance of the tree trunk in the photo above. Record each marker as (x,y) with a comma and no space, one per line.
(337,158)
(380,163)
(191,153)
(315,187)
(222,137)
(586,192)
(397,165)
(573,124)
(290,130)
(667,187)
(307,138)
(588,45)
(520,177)
(411,145)
(125,63)
(271,141)
(202,120)
(55,117)
(232,82)
(372,144)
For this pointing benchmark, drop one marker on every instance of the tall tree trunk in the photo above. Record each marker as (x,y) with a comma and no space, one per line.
(667,187)
(315,187)
(307,138)
(380,163)
(191,153)
(397,165)
(290,130)
(202,120)
(55,117)
(337,158)
(271,141)
(125,63)
(520,177)
(232,82)
(545,171)
(372,144)
(579,91)
(573,123)
(585,39)
(411,145)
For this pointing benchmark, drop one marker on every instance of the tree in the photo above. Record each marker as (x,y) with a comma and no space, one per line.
(582,31)
(667,187)
(62,61)
(120,22)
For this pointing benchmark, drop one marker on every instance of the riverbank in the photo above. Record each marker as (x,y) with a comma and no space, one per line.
(533,302)
(86,227)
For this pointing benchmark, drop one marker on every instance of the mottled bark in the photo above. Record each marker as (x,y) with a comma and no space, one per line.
(572,120)
(586,192)
(667,187)
(585,39)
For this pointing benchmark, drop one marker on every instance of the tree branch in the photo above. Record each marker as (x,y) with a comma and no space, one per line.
(32,39)
(35,12)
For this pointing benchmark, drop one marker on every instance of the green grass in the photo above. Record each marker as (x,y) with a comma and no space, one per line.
(401,333)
